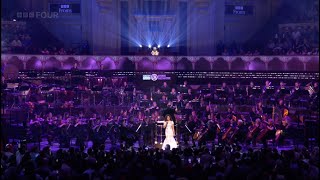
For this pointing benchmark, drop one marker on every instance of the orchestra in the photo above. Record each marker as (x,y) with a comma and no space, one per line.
(195,112)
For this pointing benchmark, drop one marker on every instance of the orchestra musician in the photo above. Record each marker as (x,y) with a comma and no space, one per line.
(179,103)
(194,123)
(268,132)
(152,108)
(259,108)
(165,88)
(35,125)
(210,92)
(239,132)
(281,91)
(134,109)
(223,93)
(285,129)
(253,132)
(251,94)
(249,89)
(206,114)
(295,92)
(157,95)
(266,86)
(209,132)
(170,110)
(238,94)
(173,94)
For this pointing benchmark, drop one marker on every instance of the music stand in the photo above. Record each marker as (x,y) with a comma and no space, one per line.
(270,90)
(284,91)
(144,103)
(205,91)
(256,90)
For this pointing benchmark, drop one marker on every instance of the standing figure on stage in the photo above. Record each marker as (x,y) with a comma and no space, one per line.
(169,132)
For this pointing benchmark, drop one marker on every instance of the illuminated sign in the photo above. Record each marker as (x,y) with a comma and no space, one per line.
(155,77)
(238,10)
(65,8)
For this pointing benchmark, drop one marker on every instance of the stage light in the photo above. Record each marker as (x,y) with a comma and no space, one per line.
(168,45)
(149,46)
(140,45)
(158,46)
(14,20)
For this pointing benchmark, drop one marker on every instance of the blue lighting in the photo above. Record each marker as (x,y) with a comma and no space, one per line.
(149,46)
(158,46)
(140,45)
(168,45)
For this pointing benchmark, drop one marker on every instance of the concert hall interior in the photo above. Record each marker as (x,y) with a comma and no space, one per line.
(159,89)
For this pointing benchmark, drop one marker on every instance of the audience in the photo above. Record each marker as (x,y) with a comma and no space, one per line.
(220,162)
(17,39)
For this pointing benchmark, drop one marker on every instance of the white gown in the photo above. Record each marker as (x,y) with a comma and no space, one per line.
(169,137)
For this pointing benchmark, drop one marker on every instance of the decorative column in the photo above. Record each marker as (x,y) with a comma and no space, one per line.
(266,64)
(154,65)
(99,64)
(117,65)
(24,65)
(229,65)
(285,65)
(43,64)
(193,65)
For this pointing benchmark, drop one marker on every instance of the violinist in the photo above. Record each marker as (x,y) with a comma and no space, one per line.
(152,108)
(134,109)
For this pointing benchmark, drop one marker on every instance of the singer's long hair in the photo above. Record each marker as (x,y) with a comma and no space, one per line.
(168,115)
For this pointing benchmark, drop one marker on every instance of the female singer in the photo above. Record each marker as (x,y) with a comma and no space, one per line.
(169,132)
